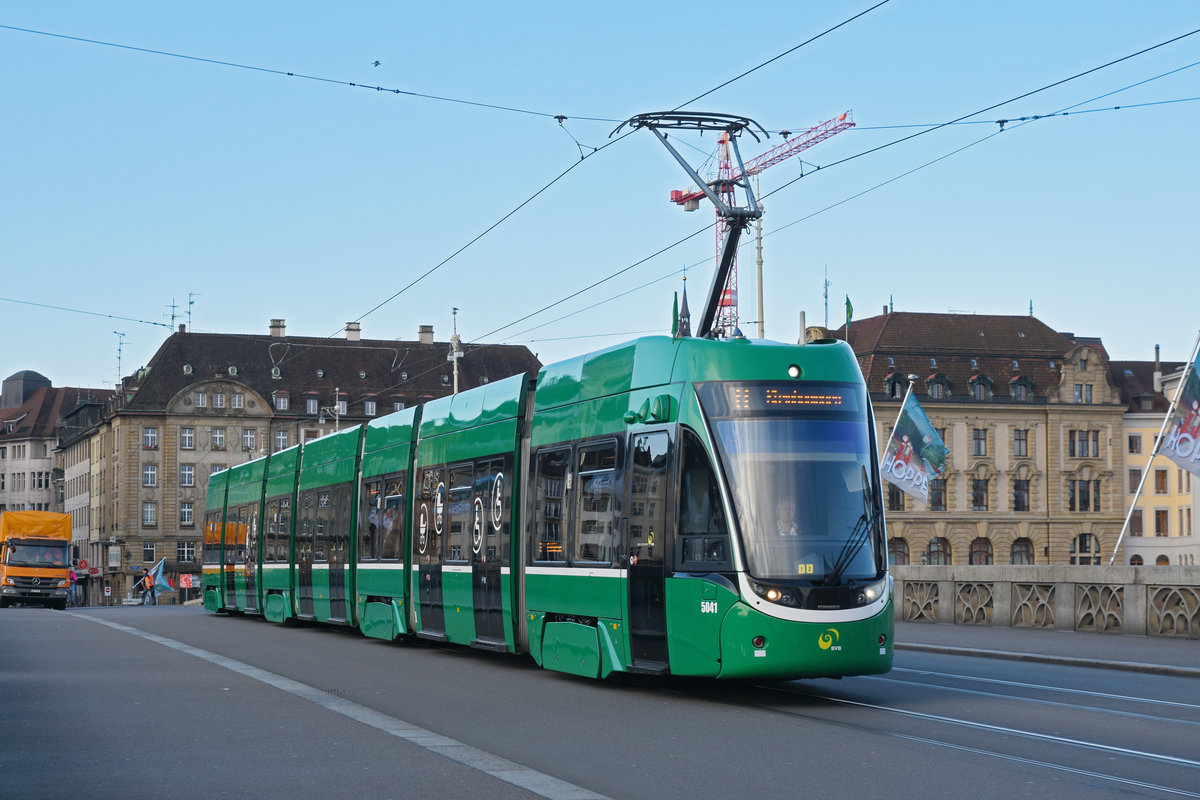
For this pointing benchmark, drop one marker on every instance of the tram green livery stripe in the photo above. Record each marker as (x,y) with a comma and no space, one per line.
(531,780)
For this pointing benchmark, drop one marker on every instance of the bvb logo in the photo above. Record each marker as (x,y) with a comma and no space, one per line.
(828,638)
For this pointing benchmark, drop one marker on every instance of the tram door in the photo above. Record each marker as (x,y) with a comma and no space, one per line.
(489,549)
(235,553)
(646,545)
(427,552)
(339,550)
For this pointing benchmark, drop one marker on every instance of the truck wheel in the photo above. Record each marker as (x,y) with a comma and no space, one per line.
(60,605)
(3,602)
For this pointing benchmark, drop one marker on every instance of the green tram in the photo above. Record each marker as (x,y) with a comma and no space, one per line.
(668,506)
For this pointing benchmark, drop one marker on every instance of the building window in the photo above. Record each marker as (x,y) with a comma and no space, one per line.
(1185,481)
(187,474)
(979,494)
(248,437)
(281,402)
(1021,553)
(187,438)
(1162,522)
(937,390)
(1135,477)
(218,438)
(218,468)
(148,552)
(898,551)
(311,405)
(938,553)
(1083,444)
(1020,495)
(1135,443)
(185,552)
(341,408)
(1083,495)
(1020,392)
(237,400)
(397,405)
(218,399)
(1160,481)
(369,408)
(1085,549)
(1021,443)
(150,438)
(149,516)
(895,498)
(200,399)
(1135,560)
(1135,523)
(937,495)
(979,442)
(981,552)
(281,440)
(186,512)
(149,475)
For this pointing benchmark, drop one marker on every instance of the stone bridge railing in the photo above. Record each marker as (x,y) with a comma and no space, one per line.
(1148,600)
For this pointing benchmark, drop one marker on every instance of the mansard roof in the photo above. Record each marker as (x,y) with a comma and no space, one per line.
(380,369)
(953,341)
(1135,379)
(39,415)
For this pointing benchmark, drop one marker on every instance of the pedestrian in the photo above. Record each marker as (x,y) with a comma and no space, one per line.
(71,577)
(147,583)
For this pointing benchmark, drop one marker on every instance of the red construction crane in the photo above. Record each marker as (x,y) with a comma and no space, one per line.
(724,184)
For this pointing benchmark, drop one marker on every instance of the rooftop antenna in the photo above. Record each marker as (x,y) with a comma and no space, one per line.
(174,307)
(191,302)
(120,345)
(720,193)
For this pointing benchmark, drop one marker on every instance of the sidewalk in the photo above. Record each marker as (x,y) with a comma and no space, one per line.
(1150,654)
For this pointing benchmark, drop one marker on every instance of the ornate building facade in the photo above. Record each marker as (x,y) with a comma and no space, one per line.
(1034,425)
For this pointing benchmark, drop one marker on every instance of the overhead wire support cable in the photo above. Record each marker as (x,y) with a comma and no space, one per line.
(318,78)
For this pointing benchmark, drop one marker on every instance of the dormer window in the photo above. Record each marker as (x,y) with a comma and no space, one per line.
(1021,389)
(937,386)
(980,387)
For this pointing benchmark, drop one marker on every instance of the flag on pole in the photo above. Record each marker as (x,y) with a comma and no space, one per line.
(915,454)
(1182,441)
(675,317)
(849,313)
(160,583)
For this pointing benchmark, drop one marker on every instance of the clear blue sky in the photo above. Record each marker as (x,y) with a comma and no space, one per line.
(132,179)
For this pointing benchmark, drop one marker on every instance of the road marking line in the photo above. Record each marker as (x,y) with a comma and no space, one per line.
(502,769)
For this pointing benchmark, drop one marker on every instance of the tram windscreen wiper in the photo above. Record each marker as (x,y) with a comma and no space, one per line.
(858,537)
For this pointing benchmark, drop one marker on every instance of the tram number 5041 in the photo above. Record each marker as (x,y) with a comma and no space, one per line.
(708,607)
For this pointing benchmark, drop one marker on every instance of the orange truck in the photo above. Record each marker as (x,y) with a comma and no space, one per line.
(34,558)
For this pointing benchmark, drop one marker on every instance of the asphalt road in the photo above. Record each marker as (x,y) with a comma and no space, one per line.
(132,702)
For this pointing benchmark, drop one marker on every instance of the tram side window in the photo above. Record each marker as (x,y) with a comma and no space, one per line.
(648,498)
(492,488)
(279,527)
(703,534)
(596,505)
(459,512)
(549,493)
(392,518)
(368,526)
(235,535)
(332,535)
(307,526)
(427,544)
(249,542)
(212,537)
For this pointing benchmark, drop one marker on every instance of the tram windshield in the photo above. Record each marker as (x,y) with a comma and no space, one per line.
(799,461)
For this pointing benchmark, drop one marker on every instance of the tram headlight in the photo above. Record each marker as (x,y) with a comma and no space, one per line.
(794,371)
(774,594)
(869,594)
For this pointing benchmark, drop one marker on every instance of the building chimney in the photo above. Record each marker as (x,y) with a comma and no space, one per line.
(1157,371)
(885,309)
(425,334)
(183,327)
(277,328)
(353,332)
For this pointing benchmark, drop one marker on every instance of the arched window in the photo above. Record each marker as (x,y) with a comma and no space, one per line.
(981,552)
(1135,561)
(1085,549)
(938,552)
(980,387)
(1022,552)
(1162,561)
(898,551)
(1021,388)
(937,386)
